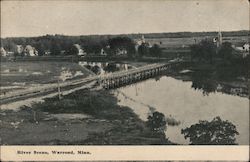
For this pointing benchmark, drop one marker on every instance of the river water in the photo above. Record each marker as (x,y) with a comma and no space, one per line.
(176,99)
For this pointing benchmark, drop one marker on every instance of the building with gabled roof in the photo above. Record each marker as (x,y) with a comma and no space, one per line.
(30,51)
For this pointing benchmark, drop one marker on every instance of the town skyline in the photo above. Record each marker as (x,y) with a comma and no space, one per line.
(38,18)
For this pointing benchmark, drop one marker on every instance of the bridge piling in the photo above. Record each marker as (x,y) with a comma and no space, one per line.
(129,77)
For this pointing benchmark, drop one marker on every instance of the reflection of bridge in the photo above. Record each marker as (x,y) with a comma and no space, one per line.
(107,81)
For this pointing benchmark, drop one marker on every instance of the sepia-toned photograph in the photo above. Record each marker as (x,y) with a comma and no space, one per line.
(164,72)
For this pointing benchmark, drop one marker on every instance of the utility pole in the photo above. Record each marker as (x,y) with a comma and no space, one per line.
(59,90)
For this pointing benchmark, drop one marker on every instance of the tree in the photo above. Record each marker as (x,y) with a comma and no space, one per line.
(93,47)
(40,48)
(155,51)
(225,51)
(157,122)
(203,81)
(216,132)
(73,50)
(205,50)
(122,43)
(96,69)
(55,49)
(111,67)
(195,52)
(143,49)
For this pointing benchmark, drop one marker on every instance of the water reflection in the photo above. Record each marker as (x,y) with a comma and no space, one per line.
(177,99)
(101,68)
(201,81)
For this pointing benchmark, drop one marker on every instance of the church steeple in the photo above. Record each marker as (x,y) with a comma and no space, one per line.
(219,39)
(143,39)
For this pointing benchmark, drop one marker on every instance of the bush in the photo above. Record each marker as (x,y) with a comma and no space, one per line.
(216,132)
(157,122)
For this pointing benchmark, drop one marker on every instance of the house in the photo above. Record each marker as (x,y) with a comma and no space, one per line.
(121,52)
(19,49)
(47,52)
(218,40)
(246,47)
(62,52)
(3,52)
(10,54)
(141,41)
(103,53)
(30,51)
(81,52)
(242,48)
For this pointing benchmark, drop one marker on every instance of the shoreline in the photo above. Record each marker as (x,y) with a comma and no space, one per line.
(98,121)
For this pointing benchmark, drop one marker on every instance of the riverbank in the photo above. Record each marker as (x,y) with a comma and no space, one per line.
(83,117)
(211,78)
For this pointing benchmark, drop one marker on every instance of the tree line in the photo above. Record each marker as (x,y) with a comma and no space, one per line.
(64,45)
(226,62)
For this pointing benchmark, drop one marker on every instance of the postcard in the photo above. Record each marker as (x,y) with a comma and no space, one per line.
(141,80)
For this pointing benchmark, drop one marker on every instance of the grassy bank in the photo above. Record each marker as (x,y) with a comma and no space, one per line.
(105,122)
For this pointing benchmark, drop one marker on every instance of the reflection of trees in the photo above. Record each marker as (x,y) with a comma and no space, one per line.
(111,67)
(216,132)
(96,69)
(201,81)
(157,78)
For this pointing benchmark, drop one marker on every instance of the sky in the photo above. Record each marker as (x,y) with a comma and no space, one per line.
(41,17)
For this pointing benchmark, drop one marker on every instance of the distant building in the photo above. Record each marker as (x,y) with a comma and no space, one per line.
(103,53)
(218,40)
(30,51)
(81,52)
(47,52)
(62,52)
(246,47)
(19,49)
(10,53)
(141,41)
(242,48)
(3,52)
(120,52)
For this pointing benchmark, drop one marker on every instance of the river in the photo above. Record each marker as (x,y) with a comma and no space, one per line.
(177,100)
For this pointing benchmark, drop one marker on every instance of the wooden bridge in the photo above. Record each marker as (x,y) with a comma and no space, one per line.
(106,81)
(118,79)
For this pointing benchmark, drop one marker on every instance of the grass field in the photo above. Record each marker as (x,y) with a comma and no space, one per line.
(19,75)
(173,43)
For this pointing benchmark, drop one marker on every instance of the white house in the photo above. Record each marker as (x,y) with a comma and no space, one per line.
(218,40)
(47,52)
(30,51)
(3,52)
(81,52)
(103,53)
(243,49)
(19,49)
(120,52)
(246,47)
(141,41)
